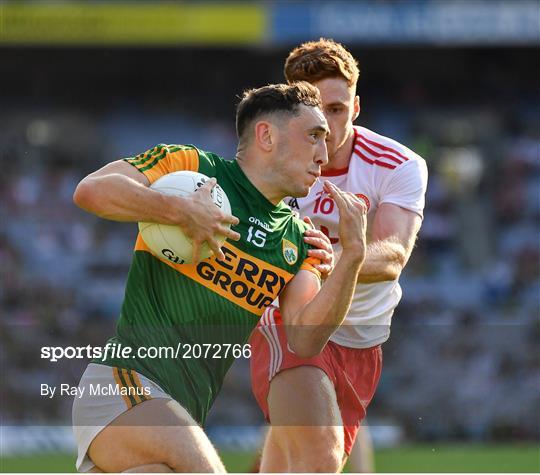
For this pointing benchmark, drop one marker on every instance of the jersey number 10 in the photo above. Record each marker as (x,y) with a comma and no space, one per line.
(324,205)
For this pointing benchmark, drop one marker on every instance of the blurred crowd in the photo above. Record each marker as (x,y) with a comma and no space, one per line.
(463,359)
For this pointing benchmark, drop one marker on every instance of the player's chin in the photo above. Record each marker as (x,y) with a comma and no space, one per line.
(304,188)
(301,191)
(307,189)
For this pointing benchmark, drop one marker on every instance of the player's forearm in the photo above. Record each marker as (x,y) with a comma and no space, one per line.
(120,198)
(384,262)
(317,321)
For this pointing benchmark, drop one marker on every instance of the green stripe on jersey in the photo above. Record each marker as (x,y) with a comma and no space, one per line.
(145,156)
(161,156)
(131,397)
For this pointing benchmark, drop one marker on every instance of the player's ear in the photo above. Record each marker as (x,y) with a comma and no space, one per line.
(264,135)
(356,108)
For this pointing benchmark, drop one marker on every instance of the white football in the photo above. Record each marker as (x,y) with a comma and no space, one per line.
(167,241)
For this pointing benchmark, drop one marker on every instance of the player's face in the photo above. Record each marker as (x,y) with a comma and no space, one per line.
(302,150)
(340,107)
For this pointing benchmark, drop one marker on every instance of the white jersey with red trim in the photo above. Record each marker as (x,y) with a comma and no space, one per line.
(381,170)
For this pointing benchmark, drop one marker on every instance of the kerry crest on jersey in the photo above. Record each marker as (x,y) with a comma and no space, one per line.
(290,252)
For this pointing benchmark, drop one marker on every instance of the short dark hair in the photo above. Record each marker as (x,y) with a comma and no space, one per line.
(322,59)
(274,98)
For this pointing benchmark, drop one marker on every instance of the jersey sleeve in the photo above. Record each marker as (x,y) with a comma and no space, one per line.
(406,186)
(309,265)
(164,159)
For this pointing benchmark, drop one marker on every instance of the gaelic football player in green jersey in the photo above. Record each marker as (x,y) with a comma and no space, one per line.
(141,410)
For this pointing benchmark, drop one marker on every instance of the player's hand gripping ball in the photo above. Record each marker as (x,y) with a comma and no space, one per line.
(169,241)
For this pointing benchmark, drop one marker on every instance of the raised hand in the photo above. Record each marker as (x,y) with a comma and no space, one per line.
(352,220)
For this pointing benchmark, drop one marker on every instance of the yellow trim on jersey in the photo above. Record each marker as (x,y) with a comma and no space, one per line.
(164,159)
(309,264)
(173,162)
(245,280)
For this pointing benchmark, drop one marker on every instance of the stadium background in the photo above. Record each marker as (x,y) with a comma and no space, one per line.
(84,83)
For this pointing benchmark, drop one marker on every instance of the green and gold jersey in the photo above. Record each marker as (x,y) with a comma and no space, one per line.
(200,310)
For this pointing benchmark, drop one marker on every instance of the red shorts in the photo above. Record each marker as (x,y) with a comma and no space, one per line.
(354,372)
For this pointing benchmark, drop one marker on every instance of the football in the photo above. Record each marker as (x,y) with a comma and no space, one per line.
(169,241)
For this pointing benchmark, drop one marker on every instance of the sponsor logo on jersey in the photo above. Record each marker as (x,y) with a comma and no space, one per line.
(169,254)
(241,278)
(258,222)
(293,203)
(290,252)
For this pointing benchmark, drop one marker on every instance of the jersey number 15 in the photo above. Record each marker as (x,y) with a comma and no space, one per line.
(258,238)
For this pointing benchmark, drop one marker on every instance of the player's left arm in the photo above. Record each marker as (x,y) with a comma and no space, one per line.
(393,235)
(396,223)
(311,313)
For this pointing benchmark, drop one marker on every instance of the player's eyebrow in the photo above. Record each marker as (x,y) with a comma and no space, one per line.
(320,128)
(336,103)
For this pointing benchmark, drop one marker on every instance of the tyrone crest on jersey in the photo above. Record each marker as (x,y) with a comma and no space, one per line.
(290,252)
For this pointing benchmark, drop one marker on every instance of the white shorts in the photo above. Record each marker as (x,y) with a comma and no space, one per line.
(107,392)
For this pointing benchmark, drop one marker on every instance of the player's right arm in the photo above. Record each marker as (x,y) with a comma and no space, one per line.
(311,313)
(120,192)
(393,235)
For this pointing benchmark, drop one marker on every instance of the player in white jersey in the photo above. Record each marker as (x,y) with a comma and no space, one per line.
(316,405)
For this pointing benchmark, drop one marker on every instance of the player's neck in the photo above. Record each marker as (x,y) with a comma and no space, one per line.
(261,181)
(342,156)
